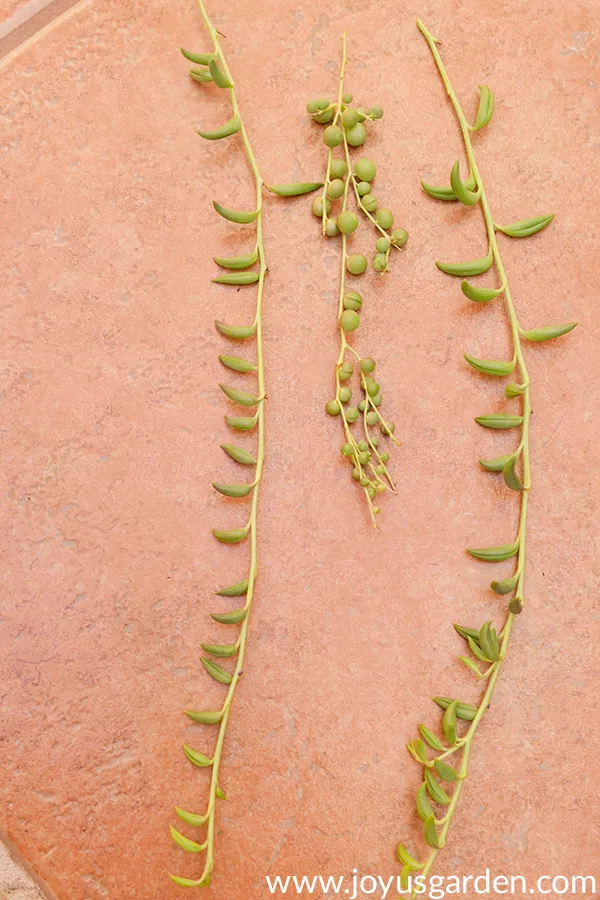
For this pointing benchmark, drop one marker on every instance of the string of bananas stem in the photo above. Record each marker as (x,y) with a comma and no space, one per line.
(446,769)
(249,268)
(346,130)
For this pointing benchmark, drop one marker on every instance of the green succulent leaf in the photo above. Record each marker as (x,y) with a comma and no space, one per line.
(186,843)
(499,421)
(235,590)
(239,278)
(231,127)
(511,478)
(219,78)
(472,666)
(191,818)
(513,390)
(446,772)
(430,832)
(491,366)
(236,332)
(198,759)
(449,723)
(525,227)
(242,398)
(242,423)
(476,650)
(467,633)
(185,882)
(231,618)
(424,808)
(406,859)
(430,738)
(295,190)
(480,295)
(233,536)
(237,262)
(202,76)
(466,197)
(222,651)
(237,365)
(233,490)
(216,671)
(467,269)
(495,465)
(200,59)
(446,193)
(239,455)
(548,332)
(204,718)
(240,217)
(436,791)
(505,585)
(495,554)
(488,640)
(485,110)
(463,710)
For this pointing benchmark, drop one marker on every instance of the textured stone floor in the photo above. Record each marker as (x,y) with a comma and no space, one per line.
(112,417)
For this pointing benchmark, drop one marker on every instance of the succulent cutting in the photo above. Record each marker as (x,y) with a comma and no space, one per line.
(248,268)
(444,755)
(346,129)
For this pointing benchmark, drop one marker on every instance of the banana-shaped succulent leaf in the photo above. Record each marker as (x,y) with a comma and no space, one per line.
(511,478)
(204,717)
(525,227)
(200,59)
(467,269)
(219,78)
(494,554)
(242,423)
(231,618)
(466,197)
(463,710)
(202,76)
(231,127)
(198,759)
(472,666)
(240,217)
(240,456)
(237,364)
(237,262)
(495,465)
(499,421)
(191,818)
(237,278)
(449,723)
(480,295)
(235,332)
(467,633)
(491,366)
(221,651)
(406,859)
(436,791)
(235,590)
(242,398)
(476,650)
(446,193)
(547,332)
(485,110)
(216,671)
(186,843)
(234,536)
(505,585)
(295,190)
(446,772)
(430,738)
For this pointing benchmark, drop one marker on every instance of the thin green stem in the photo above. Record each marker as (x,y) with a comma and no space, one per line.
(260,457)
(515,329)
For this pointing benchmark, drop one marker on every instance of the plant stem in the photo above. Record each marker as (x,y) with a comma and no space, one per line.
(516,330)
(209,861)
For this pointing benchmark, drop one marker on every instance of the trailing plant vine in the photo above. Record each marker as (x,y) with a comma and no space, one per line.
(346,130)
(446,769)
(250,268)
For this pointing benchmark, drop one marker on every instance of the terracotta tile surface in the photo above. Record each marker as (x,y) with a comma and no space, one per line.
(112,419)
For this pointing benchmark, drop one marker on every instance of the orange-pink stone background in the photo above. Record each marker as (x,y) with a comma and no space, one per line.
(112,419)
